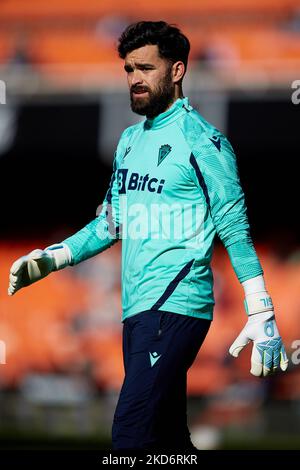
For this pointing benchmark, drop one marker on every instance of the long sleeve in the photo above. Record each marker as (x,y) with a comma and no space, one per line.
(215,172)
(103,231)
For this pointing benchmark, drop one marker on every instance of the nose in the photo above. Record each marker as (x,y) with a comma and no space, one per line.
(136,78)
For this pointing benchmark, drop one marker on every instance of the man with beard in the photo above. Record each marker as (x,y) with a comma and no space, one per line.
(174,186)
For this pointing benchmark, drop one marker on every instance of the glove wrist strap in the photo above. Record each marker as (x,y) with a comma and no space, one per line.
(61,255)
(258,302)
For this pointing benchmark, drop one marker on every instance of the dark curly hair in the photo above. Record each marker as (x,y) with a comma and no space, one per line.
(172,44)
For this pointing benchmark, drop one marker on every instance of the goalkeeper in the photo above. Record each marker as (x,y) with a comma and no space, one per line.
(178,171)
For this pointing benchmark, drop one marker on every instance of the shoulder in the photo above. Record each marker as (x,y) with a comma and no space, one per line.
(196,129)
(126,139)
(202,135)
(130,131)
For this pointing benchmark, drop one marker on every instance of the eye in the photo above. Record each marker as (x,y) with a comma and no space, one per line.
(146,68)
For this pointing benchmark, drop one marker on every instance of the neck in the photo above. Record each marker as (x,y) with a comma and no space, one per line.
(178,93)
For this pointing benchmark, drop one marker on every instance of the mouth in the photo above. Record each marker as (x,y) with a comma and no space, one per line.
(139,93)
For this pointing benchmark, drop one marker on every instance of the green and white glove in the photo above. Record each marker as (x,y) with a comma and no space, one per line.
(36,265)
(268,353)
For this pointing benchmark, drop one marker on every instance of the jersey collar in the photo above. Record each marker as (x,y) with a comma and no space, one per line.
(178,108)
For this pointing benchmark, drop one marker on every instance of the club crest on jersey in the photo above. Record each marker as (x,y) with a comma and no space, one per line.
(163,152)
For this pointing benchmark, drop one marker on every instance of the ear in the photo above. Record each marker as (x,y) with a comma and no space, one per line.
(178,71)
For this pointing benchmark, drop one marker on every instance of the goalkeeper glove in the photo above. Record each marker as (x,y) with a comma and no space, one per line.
(268,352)
(36,265)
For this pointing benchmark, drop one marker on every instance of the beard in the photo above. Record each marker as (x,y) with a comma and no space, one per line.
(157,101)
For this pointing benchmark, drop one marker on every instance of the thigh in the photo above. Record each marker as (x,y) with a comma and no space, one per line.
(160,347)
(158,338)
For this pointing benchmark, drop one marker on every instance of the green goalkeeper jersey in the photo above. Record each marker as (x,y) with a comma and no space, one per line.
(174,186)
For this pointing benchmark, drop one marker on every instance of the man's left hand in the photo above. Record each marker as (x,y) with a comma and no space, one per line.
(268,353)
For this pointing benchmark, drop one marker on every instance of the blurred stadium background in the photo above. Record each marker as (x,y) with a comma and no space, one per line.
(66,105)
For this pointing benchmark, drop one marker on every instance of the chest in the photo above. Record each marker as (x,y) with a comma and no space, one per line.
(155,164)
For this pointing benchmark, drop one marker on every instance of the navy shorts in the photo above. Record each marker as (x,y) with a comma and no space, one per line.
(158,349)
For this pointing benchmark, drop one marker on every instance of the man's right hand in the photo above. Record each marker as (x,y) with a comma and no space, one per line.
(36,265)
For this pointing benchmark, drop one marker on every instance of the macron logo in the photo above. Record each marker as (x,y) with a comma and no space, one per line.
(154,358)
(216,141)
